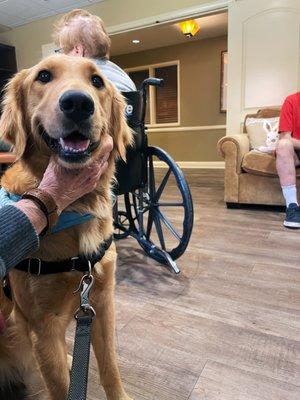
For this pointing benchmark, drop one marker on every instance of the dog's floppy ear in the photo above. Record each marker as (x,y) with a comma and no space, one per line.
(120,131)
(12,124)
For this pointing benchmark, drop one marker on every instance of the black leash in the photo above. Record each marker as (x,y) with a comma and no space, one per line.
(81,354)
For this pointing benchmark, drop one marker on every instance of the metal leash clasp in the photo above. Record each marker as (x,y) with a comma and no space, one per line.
(85,286)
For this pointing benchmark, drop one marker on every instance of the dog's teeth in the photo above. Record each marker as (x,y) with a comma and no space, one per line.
(70,149)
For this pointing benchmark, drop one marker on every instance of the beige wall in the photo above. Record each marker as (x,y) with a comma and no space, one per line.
(201,92)
(264,64)
(29,38)
(200,63)
(189,146)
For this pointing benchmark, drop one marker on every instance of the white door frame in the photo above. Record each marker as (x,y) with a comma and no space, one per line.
(172,16)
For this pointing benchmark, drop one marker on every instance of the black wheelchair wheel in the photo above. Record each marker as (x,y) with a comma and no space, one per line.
(161,214)
(121,226)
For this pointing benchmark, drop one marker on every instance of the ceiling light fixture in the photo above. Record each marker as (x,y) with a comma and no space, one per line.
(189,28)
(136,41)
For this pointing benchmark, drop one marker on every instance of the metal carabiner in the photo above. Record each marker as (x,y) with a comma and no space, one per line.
(85,286)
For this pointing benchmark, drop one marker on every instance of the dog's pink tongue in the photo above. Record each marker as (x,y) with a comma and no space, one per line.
(2,324)
(77,144)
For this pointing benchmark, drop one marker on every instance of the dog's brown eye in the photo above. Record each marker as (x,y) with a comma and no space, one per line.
(44,76)
(97,81)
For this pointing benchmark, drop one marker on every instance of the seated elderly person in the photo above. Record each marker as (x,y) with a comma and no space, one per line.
(79,33)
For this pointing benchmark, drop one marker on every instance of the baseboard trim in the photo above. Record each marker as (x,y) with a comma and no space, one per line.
(194,164)
(174,129)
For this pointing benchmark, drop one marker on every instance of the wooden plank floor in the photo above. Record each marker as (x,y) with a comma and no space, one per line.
(226,328)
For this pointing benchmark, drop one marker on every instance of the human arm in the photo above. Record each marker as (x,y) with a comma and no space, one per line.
(17,237)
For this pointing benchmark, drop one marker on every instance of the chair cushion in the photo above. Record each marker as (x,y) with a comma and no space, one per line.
(258,163)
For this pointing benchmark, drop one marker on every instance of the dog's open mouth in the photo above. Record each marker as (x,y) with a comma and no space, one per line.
(73,148)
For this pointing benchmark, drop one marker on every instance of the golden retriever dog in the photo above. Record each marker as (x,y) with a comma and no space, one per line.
(34,347)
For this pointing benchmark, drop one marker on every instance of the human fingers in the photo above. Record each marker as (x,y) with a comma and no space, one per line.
(97,177)
(106,146)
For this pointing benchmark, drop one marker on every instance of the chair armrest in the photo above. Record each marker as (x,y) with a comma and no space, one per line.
(233,148)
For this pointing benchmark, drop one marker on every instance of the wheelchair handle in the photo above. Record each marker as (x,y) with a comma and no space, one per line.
(146,83)
(152,82)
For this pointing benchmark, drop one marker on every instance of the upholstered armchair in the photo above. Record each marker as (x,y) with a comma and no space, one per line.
(250,176)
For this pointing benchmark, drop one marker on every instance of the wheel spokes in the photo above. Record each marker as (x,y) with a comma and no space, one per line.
(149,225)
(159,229)
(162,185)
(169,225)
(163,212)
(155,215)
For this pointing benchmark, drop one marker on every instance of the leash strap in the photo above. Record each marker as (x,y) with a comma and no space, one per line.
(81,354)
(81,358)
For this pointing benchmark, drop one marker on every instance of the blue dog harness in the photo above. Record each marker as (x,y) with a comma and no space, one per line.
(67,219)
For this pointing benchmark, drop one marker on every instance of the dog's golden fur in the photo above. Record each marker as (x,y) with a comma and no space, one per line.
(43,306)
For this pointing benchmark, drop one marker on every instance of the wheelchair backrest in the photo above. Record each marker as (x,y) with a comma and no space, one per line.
(132,173)
(134,108)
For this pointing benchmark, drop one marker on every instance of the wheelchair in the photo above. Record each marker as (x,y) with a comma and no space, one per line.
(161,221)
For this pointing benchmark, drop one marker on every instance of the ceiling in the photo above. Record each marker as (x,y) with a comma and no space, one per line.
(167,35)
(14,13)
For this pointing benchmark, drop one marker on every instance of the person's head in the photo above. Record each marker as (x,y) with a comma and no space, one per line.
(80,33)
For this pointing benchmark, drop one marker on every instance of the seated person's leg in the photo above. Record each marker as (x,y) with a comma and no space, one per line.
(286,161)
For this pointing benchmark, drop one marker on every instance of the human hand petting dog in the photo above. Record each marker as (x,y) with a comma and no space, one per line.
(66,186)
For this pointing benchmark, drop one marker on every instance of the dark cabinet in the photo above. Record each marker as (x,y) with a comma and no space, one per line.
(8,65)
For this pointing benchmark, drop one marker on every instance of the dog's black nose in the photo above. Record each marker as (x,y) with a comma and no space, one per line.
(77,106)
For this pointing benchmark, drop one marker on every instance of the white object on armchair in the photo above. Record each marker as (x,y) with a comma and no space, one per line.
(272,137)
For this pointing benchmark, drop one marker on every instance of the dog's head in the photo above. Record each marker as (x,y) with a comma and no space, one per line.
(63,105)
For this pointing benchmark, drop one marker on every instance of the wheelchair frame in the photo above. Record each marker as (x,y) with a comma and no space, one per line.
(136,182)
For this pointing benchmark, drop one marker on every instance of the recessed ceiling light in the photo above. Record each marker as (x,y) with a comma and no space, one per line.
(136,41)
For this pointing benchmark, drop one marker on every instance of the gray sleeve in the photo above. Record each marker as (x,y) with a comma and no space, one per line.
(18,238)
